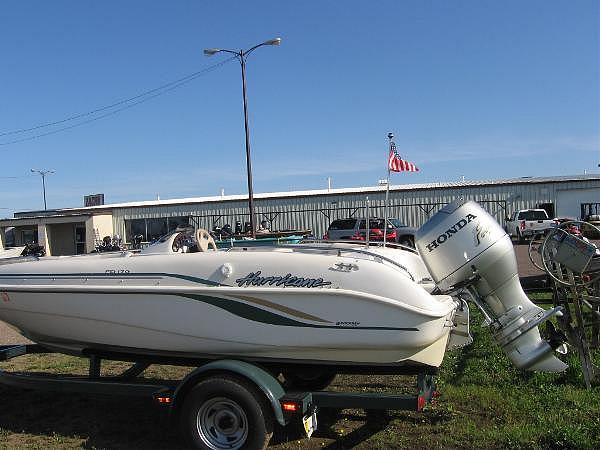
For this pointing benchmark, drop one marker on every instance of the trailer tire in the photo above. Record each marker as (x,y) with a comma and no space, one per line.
(226,412)
(308,381)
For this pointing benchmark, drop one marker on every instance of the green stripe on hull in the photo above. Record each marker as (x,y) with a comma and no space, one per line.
(260,315)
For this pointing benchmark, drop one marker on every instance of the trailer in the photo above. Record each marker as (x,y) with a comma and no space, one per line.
(222,403)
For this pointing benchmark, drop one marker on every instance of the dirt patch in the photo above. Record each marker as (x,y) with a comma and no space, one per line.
(524,264)
(9,335)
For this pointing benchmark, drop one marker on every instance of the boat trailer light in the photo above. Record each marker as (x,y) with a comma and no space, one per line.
(291,406)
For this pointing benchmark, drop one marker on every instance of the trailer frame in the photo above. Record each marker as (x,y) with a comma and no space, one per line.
(286,405)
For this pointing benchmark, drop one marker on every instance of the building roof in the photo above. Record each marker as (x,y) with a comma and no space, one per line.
(314,192)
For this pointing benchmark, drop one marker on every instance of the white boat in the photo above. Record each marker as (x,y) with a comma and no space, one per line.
(317,304)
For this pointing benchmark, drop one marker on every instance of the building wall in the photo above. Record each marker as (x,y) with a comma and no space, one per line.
(100,225)
(411,206)
(44,236)
(568,201)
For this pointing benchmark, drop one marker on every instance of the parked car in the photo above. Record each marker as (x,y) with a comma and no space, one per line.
(355,229)
(528,223)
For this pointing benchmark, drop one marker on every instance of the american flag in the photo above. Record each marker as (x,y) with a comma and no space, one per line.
(397,164)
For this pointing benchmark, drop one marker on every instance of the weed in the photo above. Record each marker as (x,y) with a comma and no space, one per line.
(486,403)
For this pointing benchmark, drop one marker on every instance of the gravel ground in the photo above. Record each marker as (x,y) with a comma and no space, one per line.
(526,268)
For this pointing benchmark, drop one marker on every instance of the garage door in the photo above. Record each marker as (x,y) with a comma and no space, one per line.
(568,202)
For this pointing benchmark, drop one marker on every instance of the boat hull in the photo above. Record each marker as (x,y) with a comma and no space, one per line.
(326,316)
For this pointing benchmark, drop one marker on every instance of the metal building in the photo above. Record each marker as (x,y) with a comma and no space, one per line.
(563,196)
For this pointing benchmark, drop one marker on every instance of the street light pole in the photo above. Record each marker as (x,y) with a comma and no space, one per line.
(241,56)
(248,160)
(43,173)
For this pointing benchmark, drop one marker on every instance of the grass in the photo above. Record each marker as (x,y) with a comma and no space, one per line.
(486,404)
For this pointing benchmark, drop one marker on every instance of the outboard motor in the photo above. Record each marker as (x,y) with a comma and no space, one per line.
(464,248)
(227,230)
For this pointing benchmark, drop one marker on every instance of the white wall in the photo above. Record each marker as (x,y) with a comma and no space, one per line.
(103,223)
(568,202)
(44,238)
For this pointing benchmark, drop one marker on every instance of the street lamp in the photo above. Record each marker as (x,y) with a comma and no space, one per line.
(43,173)
(241,56)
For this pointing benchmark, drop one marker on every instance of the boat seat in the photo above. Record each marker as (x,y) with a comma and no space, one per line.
(204,240)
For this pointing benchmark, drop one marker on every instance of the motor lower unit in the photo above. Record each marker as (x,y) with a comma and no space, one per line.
(465,249)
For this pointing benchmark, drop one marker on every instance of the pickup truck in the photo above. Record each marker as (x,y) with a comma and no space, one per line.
(528,223)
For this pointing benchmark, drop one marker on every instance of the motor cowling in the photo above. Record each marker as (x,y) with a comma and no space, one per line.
(464,247)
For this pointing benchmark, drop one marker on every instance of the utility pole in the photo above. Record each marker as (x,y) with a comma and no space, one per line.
(43,173)
(241,56)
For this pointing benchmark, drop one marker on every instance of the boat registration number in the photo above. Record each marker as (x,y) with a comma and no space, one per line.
(310,423)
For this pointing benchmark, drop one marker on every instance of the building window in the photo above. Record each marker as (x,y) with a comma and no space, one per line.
(135,227)
(152,229)
(30,236)
(156,228)
(178,222)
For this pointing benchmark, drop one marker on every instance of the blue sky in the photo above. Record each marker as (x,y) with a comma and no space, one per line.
(480,89)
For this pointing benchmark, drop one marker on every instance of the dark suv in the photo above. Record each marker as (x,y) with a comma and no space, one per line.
(355,229)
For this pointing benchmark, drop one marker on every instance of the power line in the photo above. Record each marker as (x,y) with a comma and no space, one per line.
(16,177)
(145,96)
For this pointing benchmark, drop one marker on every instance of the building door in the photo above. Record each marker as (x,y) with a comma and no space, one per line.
(79,240)
(549,208)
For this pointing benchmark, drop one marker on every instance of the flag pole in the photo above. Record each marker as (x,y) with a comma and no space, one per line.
(387,192)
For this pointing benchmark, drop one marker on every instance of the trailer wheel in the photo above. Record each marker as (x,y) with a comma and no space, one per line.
(309,381)
(225,412)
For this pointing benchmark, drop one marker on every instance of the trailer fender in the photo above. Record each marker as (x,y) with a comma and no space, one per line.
(262,379)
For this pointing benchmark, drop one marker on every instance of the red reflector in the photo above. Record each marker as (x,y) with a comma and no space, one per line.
(420,403)
(163,399)
(290,407)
